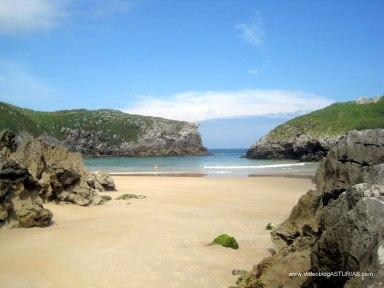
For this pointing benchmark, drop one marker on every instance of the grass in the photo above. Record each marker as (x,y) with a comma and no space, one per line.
(114,126)
(226,241)
(335,119)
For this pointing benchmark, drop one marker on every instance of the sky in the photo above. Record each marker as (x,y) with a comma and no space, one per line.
(237,67)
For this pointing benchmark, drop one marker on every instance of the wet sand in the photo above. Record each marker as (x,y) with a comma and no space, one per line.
(159,241)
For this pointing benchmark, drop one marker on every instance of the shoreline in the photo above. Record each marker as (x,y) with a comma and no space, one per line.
(200,174)
(161,174)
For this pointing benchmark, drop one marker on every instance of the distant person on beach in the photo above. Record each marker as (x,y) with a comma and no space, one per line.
(156,166)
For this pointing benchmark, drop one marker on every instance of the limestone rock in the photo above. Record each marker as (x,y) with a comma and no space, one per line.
(301,222)
(101,181)
(163,138)
(34,171)
(349,162)
(366,100)
(61,173)
(350,241)
(20,205)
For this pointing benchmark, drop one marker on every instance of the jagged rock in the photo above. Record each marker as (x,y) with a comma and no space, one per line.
(366,100)
(352,239)
(301,221)
(61,173)
(340,225)
(101,181)
(20,203)
(7,143)
(350,161)
(302,147)
(33,171)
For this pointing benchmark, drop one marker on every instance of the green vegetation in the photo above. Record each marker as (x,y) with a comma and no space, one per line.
(130,196)
(249,281)
(105,198)
(115,126)
(226,241)
(270,226)
(335,119)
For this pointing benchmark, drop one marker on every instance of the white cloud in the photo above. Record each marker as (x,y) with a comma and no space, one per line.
(252,32)
(19,16)
(29,15)
(198,106)
(18,84)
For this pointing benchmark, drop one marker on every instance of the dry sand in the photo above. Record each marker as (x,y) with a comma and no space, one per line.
(159,241)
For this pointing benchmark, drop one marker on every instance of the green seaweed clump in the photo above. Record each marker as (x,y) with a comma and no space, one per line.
(130,196)
(105,198)
(270,226)
(226,241)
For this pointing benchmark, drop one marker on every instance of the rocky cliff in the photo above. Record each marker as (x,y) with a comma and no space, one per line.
(309,137)
(335,232)
(106,132)
(33,171)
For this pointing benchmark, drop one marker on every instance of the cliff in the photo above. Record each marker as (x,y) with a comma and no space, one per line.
(106,132)
(309,137)
(335,232)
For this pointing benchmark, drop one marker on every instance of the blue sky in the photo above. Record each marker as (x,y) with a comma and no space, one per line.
(205,61)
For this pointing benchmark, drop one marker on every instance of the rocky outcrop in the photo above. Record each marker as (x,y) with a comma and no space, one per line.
(163,138)
(366,100)
(309,137)
(101,181)
(34,171)
(336,232)
(302,147)
(20,203)
(105,132)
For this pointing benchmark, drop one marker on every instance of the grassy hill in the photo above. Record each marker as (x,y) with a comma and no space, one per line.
(336,119)
(116,126)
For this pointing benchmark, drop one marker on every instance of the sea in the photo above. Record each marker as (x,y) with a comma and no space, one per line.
(220,162)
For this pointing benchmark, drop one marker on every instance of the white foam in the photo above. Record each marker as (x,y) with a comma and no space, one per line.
(236,167)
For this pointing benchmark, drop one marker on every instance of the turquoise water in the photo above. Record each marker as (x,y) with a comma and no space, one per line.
(225,162)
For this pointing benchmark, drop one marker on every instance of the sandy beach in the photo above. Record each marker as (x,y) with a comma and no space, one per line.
(159,241)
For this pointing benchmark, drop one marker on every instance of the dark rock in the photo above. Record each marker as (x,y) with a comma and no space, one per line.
(340,225)
(353,238)
(302,218)
(303,147)
(351,160)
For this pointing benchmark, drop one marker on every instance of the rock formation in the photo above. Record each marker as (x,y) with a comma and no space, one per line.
(366,100)
(302,147)
(105,132)
(101,181)
(337,227)
(34,171)
(309,137)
